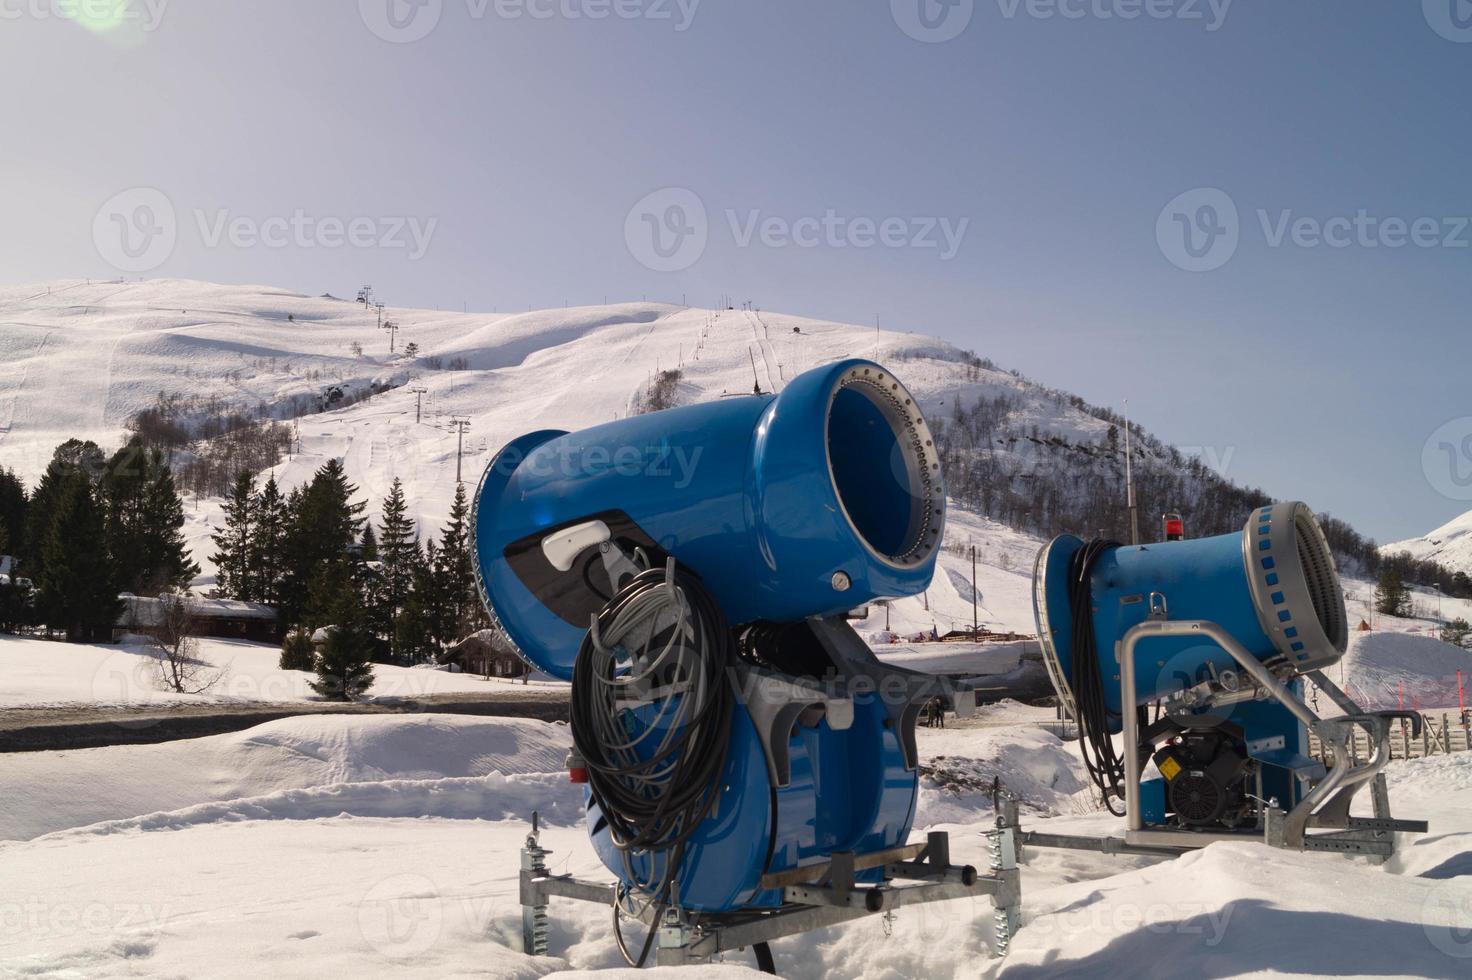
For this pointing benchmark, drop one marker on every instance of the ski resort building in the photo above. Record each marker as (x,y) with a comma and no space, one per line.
(223,618)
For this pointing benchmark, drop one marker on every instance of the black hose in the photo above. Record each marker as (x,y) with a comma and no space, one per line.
(655,796)
(1106,768)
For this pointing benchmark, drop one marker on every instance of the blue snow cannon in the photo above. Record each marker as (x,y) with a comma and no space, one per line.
(689,571)
(1218,634)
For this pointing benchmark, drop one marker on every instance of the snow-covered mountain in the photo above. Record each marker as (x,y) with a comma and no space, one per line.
(81,358)
(1450,545)
(78,359)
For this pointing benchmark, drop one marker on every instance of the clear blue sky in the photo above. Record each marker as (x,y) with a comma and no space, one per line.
(1314,371)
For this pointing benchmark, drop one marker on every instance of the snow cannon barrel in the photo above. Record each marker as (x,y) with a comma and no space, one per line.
(1272,586)
(805,503)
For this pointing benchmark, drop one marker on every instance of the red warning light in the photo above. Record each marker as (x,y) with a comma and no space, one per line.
(1175,527)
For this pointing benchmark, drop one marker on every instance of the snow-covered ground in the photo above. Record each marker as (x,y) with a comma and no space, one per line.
(37,673)
(287,769)
(388,847)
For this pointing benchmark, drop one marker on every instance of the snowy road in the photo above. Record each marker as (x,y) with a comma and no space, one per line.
(91,726)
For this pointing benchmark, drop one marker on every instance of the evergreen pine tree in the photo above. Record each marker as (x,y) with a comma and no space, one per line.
(124,486)
(327,506)
(345,665)
(295,562)
(13,611)
(455,575)
(267,543)
(368,547)
(38,521)
(1462,585)
(72,458)
(78,590)
(420,619)
(296,651)
(167,565)
(145,518)
(13,502)
(236,569)
(1392,598)
(398,551)
(325,525)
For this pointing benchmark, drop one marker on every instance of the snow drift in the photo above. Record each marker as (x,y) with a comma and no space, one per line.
(268,765)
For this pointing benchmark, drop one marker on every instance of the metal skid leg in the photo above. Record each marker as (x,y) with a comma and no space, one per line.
(1004,844)
(814,896)
(533,901)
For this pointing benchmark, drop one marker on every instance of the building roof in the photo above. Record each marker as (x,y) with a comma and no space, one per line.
(143,610)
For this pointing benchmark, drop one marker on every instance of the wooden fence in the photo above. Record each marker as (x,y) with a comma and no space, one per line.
(1441,734)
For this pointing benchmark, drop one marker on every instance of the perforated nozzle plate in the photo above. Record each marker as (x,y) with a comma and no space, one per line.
(1290,571)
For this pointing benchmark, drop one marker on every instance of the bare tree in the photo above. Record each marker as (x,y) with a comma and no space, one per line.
(176,651)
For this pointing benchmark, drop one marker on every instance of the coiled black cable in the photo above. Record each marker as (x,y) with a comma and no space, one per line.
(1106,768)
(651,717)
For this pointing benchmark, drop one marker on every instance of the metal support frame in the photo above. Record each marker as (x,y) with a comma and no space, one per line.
(814,896)
(1324,808)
